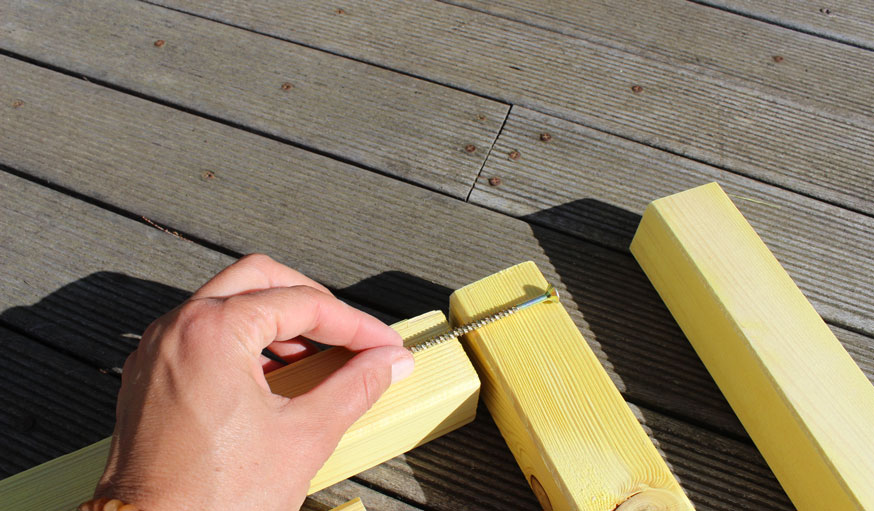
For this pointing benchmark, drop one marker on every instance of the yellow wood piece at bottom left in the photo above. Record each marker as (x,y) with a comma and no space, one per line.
(352,505)
(440,396)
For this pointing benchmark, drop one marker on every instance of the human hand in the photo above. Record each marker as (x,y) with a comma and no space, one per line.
(197,426)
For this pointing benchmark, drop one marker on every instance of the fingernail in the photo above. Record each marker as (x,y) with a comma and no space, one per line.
(401,367)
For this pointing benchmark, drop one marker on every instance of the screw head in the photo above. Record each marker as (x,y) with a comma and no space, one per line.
(494,181)
(637,89)
(159,43)
(545,137)
(287,86)
(514,155)
(470,148)
(17,103)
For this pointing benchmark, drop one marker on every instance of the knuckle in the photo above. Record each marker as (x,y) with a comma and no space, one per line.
(196,321)
(256,260)
(246,320)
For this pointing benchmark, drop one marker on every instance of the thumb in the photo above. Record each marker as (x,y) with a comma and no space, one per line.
(350,391)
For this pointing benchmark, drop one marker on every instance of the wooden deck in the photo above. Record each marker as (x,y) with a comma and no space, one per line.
(357,141)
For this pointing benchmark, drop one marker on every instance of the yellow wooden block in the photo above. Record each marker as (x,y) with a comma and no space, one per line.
(571,432)
(352,505)
(806,405)
(440,396)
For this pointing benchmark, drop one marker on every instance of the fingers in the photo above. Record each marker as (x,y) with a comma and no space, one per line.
(331,407)
(251,273)
(277,314)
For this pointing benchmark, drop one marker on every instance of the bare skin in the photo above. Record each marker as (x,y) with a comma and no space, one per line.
(197,426)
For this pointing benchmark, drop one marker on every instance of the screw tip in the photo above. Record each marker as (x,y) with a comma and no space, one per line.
(552,294)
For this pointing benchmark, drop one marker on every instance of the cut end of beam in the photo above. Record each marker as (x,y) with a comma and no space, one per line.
(653,499)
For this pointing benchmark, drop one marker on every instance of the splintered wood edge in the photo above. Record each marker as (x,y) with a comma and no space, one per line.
(413,413)
(576,440)
(806,405)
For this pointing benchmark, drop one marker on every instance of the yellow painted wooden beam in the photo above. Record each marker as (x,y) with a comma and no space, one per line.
(806,405)
(576,440)
(440,396)
(352,505)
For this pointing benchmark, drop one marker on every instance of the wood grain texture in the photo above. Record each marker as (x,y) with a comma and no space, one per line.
(685,33)
(571,432)
(818,151)
(440,396)
(806,405)
(103,144)
(315,214)
(594,185)
(391,426)
(402,126)
(849,21)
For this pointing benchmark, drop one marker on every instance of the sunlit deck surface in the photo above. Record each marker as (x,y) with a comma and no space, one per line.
(397,150)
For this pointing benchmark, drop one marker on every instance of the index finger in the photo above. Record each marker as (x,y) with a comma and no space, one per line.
(252,273)
(285,313)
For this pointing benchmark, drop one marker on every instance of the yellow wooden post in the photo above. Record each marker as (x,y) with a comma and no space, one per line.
(352,505)
(801,398)
(440,396)
(576,440)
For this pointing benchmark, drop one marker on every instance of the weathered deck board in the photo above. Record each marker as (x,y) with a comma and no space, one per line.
(102,143)
(844,20)
(400,125)
(816,151)
(45,400)
(826,249)
(680,32)
(88,236)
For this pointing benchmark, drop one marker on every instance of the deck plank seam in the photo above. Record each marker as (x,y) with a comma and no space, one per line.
(393,494)
(488,154)
(67,353)
(783,24)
